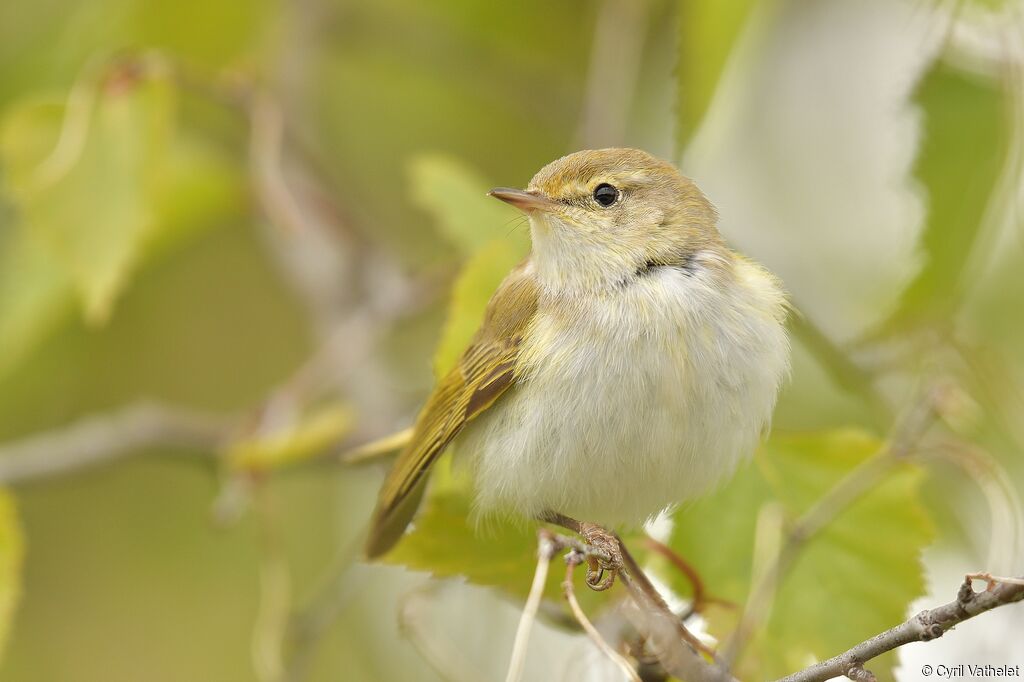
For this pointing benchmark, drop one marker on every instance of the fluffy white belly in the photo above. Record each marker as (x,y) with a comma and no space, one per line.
(635,400)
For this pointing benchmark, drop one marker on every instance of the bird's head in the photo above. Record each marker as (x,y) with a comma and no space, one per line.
(600,217)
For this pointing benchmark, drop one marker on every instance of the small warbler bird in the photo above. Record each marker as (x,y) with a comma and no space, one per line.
(629,363)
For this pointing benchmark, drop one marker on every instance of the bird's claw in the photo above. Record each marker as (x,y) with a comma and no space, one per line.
(601,572)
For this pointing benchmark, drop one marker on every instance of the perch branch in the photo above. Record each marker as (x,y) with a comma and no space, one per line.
(675,646)
(572,560)
(923,627)
(859,673)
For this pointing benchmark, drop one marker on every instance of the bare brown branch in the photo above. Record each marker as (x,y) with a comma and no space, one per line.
(923,627)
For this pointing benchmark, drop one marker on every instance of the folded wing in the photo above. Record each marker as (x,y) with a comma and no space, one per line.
(484,372)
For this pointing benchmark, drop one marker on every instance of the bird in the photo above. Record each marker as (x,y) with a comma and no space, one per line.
(630,363)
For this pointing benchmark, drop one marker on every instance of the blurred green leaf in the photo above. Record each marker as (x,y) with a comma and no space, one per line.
(309,437)
(501,552)
(446,542)
(214,34)
(965,139)
(89,188)
(481,227)
(708,33)
(34,293)
(993,5)
(456,196)
(201,186)
(865,566)
(475,285)
(12,552)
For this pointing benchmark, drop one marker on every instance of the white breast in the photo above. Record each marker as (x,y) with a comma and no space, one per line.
(634,400)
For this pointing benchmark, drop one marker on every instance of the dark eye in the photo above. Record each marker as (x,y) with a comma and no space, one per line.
(605,194)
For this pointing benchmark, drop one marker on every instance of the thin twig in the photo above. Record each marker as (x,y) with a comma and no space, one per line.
(636,580)
(700,596)
(545,552)
(573,560)
(769,562)
(271,624)
(1006,527)
(377,448)
(993,580)
(836,362)
(267,135)
(923,627)
(338,588)
(107,437)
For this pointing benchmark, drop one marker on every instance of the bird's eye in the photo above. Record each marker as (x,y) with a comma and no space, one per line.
(605,194)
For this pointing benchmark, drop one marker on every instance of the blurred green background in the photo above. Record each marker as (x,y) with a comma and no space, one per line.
(256,212)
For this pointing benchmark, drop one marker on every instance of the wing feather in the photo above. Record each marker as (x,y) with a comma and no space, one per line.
(484,372)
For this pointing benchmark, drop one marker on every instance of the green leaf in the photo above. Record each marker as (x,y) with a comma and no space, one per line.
(200,186)
(89,187)
(708,33)
(311,436)
(456,196)
(12,554)
(34,294)
(475,285)
(963,151)
(480,226)
(853,580)
(446,542)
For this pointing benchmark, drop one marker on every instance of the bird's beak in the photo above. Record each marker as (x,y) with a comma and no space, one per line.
(524,201)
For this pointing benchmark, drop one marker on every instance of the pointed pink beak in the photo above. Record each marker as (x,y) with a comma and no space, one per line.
(524,201)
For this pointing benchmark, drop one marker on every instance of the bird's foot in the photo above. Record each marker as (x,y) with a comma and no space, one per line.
(601,572)
(605,559)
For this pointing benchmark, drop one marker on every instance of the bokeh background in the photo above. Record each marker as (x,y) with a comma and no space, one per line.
(230,233)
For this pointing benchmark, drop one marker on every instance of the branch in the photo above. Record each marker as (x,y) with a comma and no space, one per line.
(616,55)
(573,560)
(700,598)
(546,550)
(275,595)
(675,646)
(923,627)
(104,438)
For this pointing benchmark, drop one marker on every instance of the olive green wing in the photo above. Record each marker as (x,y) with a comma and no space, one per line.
(484,372)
